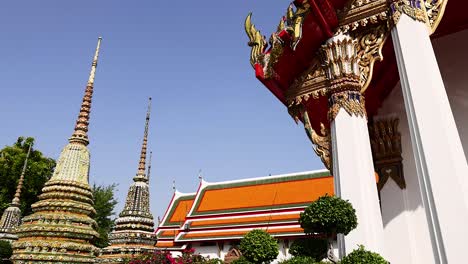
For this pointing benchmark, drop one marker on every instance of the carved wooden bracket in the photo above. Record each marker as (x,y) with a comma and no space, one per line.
(322,142)
(386,150)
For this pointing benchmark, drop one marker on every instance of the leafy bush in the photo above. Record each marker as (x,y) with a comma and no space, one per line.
(165,257)
(258,246)
(314,248)
(212,261)
(299,260)
(5,251)
(362,256)
(329,215)
(241,260)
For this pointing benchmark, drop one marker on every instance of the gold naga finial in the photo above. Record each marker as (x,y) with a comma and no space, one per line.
(142,163)
(256,40)
(290,12)
(16,199)
(281,25)
(80,135)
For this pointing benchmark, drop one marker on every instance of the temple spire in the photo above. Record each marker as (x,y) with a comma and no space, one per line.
(134,228)
(148,175)
(80,135)
(142,164)
(16,199)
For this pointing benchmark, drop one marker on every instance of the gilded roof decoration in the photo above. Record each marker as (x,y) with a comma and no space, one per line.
(289,32)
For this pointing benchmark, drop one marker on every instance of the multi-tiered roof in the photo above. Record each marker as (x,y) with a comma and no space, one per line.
(228,210)
(11,217)
(60,228)
(134,229)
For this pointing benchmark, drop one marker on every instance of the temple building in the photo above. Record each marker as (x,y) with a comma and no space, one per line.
(11,217)
(60,228)
(380,86)
(133,233)
(219,214)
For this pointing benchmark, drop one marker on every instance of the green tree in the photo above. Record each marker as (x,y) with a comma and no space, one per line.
(302,260)
(104,203)
(315,248)
(38,171)
(5,252)
(241,260)
(329,215)
(362,256)
(258,247)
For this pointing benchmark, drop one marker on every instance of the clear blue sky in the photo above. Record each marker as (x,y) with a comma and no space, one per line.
(209,111)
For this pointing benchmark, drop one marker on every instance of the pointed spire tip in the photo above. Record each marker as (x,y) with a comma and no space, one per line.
(81,128)
(142,163)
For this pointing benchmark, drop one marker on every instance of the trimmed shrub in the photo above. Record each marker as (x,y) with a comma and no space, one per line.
(241,260)
(258,246)
(329,215)
(362,256)
(314,248)
(165,257)
(300,260)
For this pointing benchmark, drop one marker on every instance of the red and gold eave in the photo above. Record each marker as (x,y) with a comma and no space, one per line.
(319,25)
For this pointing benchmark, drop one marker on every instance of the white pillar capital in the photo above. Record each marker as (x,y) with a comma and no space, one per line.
(340,62)
(411,8)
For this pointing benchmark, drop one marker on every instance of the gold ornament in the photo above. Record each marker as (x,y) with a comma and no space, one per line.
(322,142)
(434,11)
(292,23)
(256,41)
(386,147)
(411,8)
(351,101)
(369,50)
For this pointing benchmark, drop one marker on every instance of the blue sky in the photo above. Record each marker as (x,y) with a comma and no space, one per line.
(209,111)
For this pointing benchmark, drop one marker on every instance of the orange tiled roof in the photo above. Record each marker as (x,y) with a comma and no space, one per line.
(262,194)
(178,210)
(174,217)
(228,210)
(165,244)
(289,230)
(250,219)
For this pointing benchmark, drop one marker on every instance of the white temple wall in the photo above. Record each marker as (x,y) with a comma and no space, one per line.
(283,246)
(407,238)
(210,251)
(452,55)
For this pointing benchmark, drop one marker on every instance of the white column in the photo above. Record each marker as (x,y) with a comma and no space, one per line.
(440,161)
(353,171)
(353,167)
